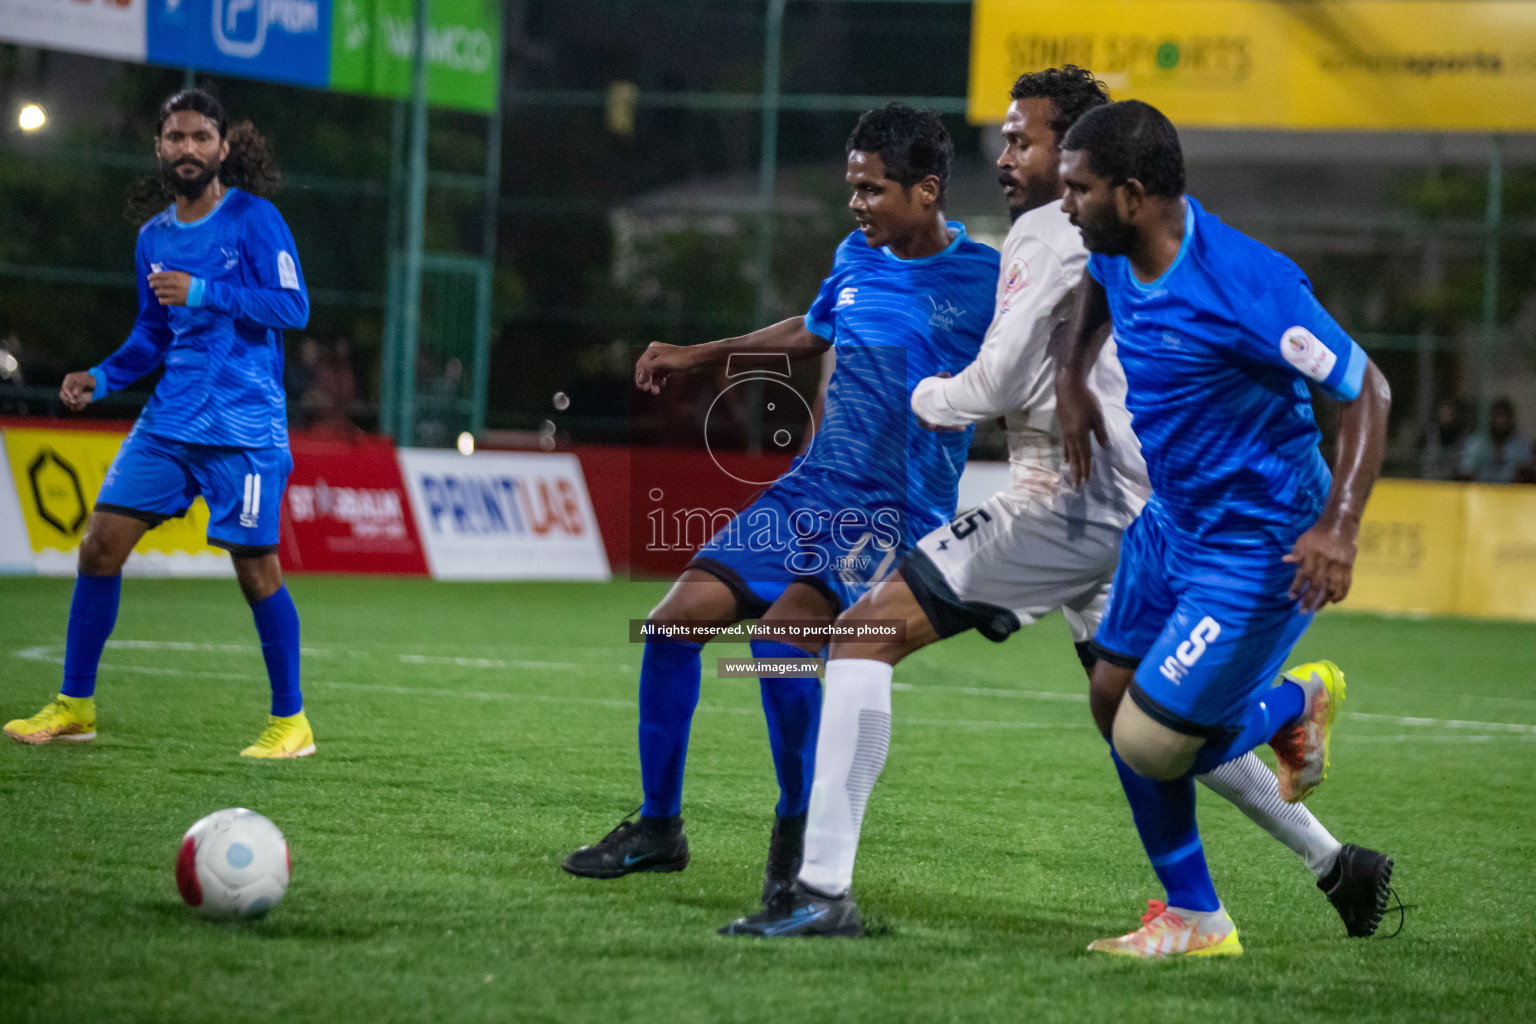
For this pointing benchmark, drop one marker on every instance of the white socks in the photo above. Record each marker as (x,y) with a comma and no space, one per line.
(850,753)
(1249,784)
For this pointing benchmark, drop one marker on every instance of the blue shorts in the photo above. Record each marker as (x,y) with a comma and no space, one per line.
(1207,630)
(154,479)
(793,533)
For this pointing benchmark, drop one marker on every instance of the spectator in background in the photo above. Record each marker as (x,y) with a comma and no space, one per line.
(1439,447)
(301,379)
(328,402)
(1492,457)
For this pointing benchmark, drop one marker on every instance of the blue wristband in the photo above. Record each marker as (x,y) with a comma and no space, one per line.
(101,382)
(195,292)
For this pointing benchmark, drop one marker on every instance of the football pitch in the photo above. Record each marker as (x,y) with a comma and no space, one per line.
(470,735)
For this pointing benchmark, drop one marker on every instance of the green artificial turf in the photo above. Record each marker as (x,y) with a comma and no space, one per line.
(469,735)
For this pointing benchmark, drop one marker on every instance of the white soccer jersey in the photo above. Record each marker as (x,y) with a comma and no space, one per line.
(1014,376)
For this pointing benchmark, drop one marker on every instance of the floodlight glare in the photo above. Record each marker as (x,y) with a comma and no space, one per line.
(32,117)
(466,443)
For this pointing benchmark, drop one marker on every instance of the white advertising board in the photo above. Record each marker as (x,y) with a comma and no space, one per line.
(15,552)
(504,515)
(102,28)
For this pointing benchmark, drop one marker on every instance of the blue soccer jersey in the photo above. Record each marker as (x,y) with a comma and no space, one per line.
(894,322)
(223,350)
(1217,352)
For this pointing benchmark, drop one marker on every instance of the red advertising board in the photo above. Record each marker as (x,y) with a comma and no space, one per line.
(346,510)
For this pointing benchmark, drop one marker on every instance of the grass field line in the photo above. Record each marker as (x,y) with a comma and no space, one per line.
(437,659)
(1447,723)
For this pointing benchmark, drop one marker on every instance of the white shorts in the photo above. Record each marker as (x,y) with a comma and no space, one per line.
(1008,562)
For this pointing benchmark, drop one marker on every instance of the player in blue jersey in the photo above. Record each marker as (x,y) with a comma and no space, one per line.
(909,296)
(1247,533)
(219,280)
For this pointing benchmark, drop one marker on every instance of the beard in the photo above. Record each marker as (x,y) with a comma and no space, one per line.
(1107,234)
(188,188)
(1030,195)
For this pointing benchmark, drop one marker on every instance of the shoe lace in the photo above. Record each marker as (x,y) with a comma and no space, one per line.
(272,735)
(1402,912)
(626,826)
(1155,910)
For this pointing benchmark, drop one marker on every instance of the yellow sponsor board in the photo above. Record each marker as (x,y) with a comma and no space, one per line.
(1499,573)
(1410,549)
(1444,65)
(58,474)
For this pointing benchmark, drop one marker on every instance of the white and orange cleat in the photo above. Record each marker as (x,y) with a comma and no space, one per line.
(1302,751)
(1168,931)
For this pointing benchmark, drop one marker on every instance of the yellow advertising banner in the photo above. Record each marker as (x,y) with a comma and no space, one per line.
(1499,574)
(1410,549)
(58,474)
(1437,65)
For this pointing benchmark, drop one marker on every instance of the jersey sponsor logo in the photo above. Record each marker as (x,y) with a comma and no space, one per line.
(231,256)
(945,313)
(1177,665)
(845,298)
(250,507)
(1303,350)
(287,270)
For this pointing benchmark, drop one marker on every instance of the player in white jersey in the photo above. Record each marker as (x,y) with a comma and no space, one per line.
(1040,545)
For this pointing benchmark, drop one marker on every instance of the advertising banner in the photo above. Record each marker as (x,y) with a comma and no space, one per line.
(1410,549)
(346,510)
(372,42)
(15,552)
(504,515)
(1424,65)
(1499,581)
(273,40)
(57,475)
(102,28)
(362,46)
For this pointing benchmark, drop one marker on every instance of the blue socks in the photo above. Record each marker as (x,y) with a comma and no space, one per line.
(277,623)
(1281,706)
(669,693)
(1164,813)
(92,614)
(793,709)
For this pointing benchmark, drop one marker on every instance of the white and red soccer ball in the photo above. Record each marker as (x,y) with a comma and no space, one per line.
(233,863)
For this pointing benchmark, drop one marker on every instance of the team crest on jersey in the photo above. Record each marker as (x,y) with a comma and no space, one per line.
(1303,350)
(1015,280)
(945,313)
(845,298)
(231,257)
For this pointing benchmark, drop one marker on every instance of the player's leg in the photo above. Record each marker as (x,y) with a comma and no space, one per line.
(1191,921)
(670,669)
(244,491)
(144,486)
(792,709)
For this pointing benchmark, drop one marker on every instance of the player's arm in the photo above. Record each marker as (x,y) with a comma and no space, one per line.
(792,337)
(277,298)
(1325,554)
(1291,329)
(1007,372)
(1076,408)
(141,353)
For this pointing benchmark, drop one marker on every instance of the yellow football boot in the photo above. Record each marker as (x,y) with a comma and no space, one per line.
(1166,932)
(283,737)
(1302,751)
(65,718)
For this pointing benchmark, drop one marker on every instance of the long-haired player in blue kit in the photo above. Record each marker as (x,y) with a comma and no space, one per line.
(219,280)
(909,296)
(1247,533)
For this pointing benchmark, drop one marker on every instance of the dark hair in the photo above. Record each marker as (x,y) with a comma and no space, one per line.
(249,166)
(1071,90)
(1131,139)
(912,143)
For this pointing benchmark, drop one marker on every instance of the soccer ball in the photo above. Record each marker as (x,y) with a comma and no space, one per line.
(233,863)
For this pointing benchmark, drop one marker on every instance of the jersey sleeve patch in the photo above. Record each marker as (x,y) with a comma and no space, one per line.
(1305,351)
(287,270)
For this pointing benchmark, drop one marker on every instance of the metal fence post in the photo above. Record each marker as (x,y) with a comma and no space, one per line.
(415,230)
